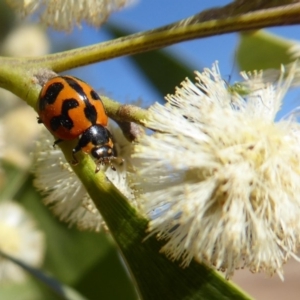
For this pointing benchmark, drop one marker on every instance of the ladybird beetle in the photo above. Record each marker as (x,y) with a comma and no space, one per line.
(70,109)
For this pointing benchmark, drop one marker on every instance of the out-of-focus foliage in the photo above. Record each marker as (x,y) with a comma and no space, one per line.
(260,50)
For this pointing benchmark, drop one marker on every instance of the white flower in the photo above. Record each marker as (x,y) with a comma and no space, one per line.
(62,15)
(219,179)
(20,239)
(2,147)
(18,143)
(2,144)
(294,54)
(26,40)
(294,50)
(64,192)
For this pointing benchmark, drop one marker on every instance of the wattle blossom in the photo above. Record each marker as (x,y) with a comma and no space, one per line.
(63,15)
(20,239)
(219,179)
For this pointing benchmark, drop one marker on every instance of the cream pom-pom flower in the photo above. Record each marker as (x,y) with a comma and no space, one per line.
(62,15)
(20,239)
(219,179)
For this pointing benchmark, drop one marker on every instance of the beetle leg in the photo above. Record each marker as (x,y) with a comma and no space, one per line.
(74,151)
(57,142)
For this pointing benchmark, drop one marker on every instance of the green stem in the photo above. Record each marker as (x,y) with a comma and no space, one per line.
(208,23)
(225,19)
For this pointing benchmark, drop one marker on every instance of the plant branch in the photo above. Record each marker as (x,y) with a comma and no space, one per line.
(210,22)
(230,18)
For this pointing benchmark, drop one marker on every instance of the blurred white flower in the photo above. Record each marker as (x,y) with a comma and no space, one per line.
(62,15)
(2,147)
(20,239)
(9,101)
(219,179)
(2,144)
(294,53)
(26,40)
(64,192)
(18,143)
(18,119)
(294,50)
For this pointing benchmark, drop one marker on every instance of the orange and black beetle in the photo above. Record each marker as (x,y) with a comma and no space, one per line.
(71,109)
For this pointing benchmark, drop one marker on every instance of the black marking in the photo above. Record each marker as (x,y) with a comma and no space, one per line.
(58,121)
(89,110)
(94,95)
(67,105)
(75,86)
(50,95)
(91,114)
(64,120)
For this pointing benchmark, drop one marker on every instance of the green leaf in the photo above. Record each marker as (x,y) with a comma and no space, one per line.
(13,180)
(7,19)
(100,281)
(28,290)
(161,68)
(260,50)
